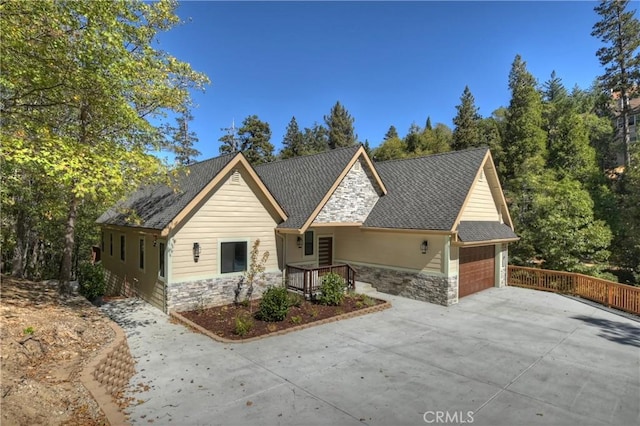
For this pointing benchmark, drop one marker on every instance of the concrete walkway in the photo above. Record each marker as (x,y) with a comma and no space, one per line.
(505,356)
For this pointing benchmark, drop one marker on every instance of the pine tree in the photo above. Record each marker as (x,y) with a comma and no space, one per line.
(524,141)
(315,139)
(293,141)
(183,139)
(391,133)
(466,133)
(553,89)
(252,139)
(340,126)
(428,125)
(619,30)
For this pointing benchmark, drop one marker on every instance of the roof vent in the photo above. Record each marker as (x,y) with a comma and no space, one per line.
(357,166)
(235,177)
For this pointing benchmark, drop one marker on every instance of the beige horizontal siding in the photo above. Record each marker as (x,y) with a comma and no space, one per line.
(127,276)
(397,250)
(234,210)
(481,204)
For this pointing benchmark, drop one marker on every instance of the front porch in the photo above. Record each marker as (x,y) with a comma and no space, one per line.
(307,280)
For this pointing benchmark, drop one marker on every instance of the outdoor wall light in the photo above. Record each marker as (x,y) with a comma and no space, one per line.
(424,246)
(299,242)
(196,252)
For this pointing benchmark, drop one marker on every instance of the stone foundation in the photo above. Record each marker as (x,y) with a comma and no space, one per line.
(190,295)
(414,285)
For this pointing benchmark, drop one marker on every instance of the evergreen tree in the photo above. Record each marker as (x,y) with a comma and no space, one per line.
(619,30)
(436,140)
(183,139)
(340,127)
(315,139)
(428,124)
(252,139)
(413,139)
(524,140)
(466,133)
(391,133)
(553,89)
(293,141)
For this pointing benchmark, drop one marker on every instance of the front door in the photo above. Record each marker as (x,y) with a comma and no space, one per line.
(325,251)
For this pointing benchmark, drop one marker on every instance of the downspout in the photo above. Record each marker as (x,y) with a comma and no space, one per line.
(284,256)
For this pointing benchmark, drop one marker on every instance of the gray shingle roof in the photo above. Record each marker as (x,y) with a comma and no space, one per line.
(299,184)
(470,231)
(156,206)
(426,192)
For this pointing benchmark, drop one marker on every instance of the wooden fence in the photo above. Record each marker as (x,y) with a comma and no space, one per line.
(614,295)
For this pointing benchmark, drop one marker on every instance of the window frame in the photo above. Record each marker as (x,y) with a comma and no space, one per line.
(307,244)
(111,244)
(162,260)
(141,253)
(221,241)
(123,248)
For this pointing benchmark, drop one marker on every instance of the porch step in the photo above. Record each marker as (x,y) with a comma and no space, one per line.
(364,288)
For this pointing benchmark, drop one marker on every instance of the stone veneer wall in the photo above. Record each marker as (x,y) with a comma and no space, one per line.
(353,199)
(190,295)
(414,285)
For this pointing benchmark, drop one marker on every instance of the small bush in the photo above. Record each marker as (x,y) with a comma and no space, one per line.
(368,301)
(91,283)
(314,313)
(332,290)
(244,324)
(274,305)
(296,319)
(295,300)
(28,330)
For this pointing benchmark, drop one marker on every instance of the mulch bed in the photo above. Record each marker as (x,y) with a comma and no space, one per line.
(221,320)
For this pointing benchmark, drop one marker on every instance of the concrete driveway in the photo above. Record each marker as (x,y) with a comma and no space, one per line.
(505,356)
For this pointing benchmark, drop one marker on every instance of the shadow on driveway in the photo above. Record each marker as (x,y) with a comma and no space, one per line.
(615,331)
(124,313)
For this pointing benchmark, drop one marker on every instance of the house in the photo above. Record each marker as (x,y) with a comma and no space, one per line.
(434,228)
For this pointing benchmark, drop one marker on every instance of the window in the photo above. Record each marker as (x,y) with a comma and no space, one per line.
(161,269)
(632,120)
(308,243)
(122,242)
(111,244)
(233,257)
(141,254)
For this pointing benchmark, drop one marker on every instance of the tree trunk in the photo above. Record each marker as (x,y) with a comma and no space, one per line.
(17,263)
(69,242)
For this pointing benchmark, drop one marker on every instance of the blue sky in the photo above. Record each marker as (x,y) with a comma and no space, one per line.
(388,63)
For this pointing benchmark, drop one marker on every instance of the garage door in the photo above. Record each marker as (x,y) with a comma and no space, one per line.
(477,269)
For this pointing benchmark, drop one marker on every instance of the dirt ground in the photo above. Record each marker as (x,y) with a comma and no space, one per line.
(46,340)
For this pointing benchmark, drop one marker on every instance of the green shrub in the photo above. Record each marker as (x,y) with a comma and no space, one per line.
(296,319)
(28,330)
(91,283)
(244,323)
(332,290)
(368,301)
(295,300)
(274,305)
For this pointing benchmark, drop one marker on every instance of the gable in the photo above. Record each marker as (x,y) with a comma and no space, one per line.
(236,209)
(481,205)
(353,199)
